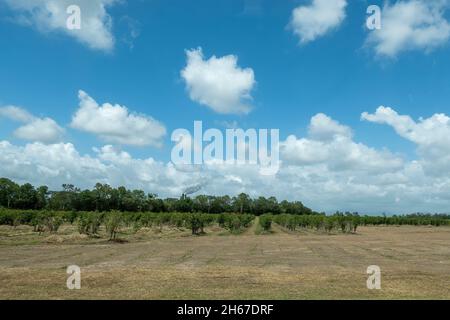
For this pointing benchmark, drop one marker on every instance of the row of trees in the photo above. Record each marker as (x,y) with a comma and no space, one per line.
(106,198)
(91,222)
(348,222)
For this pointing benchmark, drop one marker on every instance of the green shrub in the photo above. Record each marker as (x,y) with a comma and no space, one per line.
(89,223)
(194,223)
(38,223)
(113,222)
(52,221)
(233,222)
(70,216)
(266,221)
(7,217)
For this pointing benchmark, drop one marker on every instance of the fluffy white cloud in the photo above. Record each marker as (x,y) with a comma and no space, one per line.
(60,163)
(34,129)
(410,25)
(431,135)
(16,113)
(49,164)
(323,127)
(433,131)
(218,83)
(51,15)
(331,144)
(45,130)
(326,171)
(317,19)
(333,169)
(115,124)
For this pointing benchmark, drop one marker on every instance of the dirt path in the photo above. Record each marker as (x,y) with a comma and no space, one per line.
(276,228)
(251,230)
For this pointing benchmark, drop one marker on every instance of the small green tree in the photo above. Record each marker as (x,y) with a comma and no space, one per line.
(329,224)
(194,222)
(266,221)
(89,223)
(38,223)
(356,222)
(53,222)
(113,222)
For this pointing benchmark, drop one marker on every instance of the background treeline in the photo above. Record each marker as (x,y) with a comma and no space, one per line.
(105,198)
(348,222)
(44,209)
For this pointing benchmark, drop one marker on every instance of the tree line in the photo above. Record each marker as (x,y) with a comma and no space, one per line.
(103,198)
(349,222)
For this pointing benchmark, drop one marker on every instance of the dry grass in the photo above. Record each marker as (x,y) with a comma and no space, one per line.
(172,264)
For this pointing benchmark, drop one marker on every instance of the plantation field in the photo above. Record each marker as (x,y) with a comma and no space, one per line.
(167,262)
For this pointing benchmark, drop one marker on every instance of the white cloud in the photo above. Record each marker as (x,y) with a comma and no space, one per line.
(430,132)
(44,130)
(16,113)
(326,171)
(331,144)
(49,164)
(323,127)
(218,83)
(317,19)
(115,124)
(333,171)
(51,15)
(410,25)
(60,163)
(431,135)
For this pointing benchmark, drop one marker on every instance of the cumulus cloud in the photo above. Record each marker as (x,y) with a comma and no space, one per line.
(332,168)
(327,170)
(51,164)
(331,144)
(16,113)
(218,83)
(431,135)
(410,25)
(323,127)
(45,130)
(317,19)
(51,15)
(60,163)
(115,123)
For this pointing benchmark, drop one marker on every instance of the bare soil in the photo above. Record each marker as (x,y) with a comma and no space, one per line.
(172,264)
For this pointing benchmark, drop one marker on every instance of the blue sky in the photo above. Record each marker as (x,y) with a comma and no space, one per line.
(338,73)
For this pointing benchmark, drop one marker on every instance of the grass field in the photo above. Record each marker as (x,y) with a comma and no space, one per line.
(170,263)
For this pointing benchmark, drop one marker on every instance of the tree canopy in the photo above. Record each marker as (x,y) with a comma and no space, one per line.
(106,198)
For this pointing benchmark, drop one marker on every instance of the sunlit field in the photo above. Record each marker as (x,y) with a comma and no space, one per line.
(163,261)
